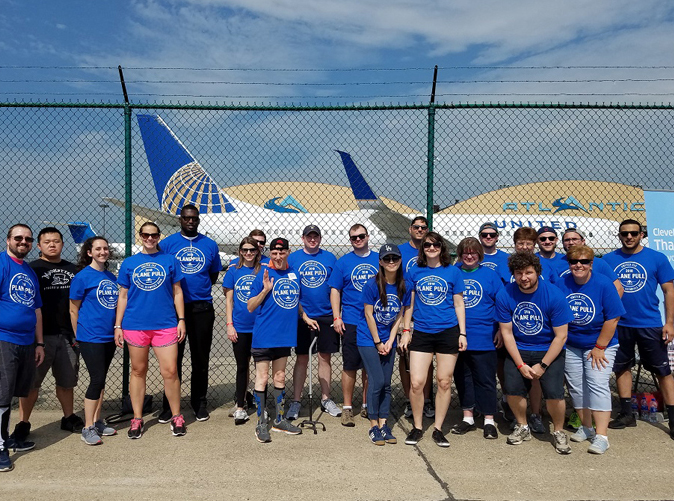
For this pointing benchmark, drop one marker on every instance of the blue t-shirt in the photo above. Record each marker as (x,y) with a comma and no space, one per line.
(533,316)
(591,304)
(350,275)
(98,292)
(19,298)
(240,280)
(640,274)
(598,266)
(557,263)
(314,271)
(481,287)
(276,321)
(383,317)
(434,290)
(409,258)
(198,258)
(149,279)
(498,262)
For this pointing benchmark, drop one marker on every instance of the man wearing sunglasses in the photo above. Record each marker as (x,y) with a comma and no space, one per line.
(351,273)
(261,239)
(547,243)
(21,341)
(314,266)
(494,258)
(410,250)
(640,271)
(200,263)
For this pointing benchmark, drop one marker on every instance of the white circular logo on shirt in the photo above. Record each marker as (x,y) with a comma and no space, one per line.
(149,276)
(528,318)
(582,308)
(22,289)
(411,263)
(242,287)
(361,274)
(632,276)
(286,293)
(490,265)
(107,294)
(432,290)
(191,260)
(472,295)
(387,315)
(313,274)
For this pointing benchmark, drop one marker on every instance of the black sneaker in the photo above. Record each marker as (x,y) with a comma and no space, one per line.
(623,421)
(414,436)
(490,431)
(21,431)
(19,445)
(439,438)
(165,416)
(462,428)
(202,414)
(72,423)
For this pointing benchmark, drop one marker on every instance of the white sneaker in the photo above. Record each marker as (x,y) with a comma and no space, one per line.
(329,406)
(240,416)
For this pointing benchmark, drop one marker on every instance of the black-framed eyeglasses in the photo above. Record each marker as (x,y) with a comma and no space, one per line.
(419,227)
(360,236)
(545,239)
(391,259)
(248,250)
(488,235)
(145,236)
(630,233)
(581,261)
(261,243)
(19,238)
(428,245)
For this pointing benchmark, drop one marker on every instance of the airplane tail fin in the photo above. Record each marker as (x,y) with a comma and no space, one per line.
(80,231)
(362,192)
(178,178)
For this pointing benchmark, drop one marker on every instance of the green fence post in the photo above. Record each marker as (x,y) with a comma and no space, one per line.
(128,224)
(430,165)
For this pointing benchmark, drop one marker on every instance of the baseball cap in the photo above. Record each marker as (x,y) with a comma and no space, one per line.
(279,244)
(547,229)
(312,228)
(389,250)
(575,230)
(488,226)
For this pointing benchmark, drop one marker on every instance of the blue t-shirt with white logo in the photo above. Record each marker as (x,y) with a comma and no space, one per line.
(383,317)
(533,316)
(198,258)
(640,274)
(240,281)
(434,290)
(314,271)
(598,266)
(149,279)
(19,298)
(481,287)
(276,320)
(409,257)
(98,293)
(498,262)
(557,263)
(592,304)
(350,275)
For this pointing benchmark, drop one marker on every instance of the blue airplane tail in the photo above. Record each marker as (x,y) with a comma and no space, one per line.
(80,231)
(362,192)
(178,178)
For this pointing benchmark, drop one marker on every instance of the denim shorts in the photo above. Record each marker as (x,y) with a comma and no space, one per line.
(552,381)
(589,388)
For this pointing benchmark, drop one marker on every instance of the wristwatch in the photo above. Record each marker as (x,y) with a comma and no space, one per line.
(544,365)
(39,344)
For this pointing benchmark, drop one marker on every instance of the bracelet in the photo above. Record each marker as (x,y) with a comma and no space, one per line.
(181,318)
(337,318)
(406,330)
(230,323)
(39,344)
(520,366)
(461,334)
(118,327)
(600,347)
(378,342)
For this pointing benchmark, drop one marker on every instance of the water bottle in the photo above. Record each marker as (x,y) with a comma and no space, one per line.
(645,411)
(635,406)
(653,411)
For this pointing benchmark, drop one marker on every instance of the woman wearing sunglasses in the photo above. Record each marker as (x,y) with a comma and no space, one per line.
(237,285)
(384,297)
(150,312)
(591,345)
(439,328)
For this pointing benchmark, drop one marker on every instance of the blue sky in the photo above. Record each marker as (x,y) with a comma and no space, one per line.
(355,35)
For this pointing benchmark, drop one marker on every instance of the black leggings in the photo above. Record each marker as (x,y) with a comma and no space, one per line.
(242,356)
(98,357)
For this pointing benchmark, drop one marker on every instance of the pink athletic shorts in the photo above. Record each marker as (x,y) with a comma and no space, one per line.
(154,337)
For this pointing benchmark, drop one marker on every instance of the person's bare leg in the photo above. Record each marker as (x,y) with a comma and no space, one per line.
(419,362)
(168,366)
(137,377)
(325,374)
(299,376)
(443,373)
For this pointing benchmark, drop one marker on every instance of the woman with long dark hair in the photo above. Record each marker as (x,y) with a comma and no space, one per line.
(385,296)
(151,312)
(237,285)
(93,299)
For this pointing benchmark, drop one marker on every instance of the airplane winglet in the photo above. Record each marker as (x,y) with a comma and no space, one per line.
(362,192)
(80,231)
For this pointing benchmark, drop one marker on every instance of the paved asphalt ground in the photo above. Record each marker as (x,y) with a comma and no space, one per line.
(218,460)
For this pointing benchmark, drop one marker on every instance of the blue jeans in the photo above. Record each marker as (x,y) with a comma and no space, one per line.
(379,370)
(589,388)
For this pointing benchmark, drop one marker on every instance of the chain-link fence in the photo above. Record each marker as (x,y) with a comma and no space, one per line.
(516,165)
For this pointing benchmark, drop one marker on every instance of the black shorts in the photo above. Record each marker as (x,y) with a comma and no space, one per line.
(62,358)
(328,338)
(552,381)
(652,350)
(446,341)
(269,354)
(351,360)
(17,371)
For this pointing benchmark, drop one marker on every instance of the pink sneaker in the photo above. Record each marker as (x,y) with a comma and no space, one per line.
(178,425)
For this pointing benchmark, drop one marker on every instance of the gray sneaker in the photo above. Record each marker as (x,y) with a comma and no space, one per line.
(284,426)
(294,410)
(262,433)
(329,406)
(561,442)
(429,408)
(103,429)
(240,416)
(536,424)
(408,410)
(583,434)
(90,436)
(521,434)
(599,445)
